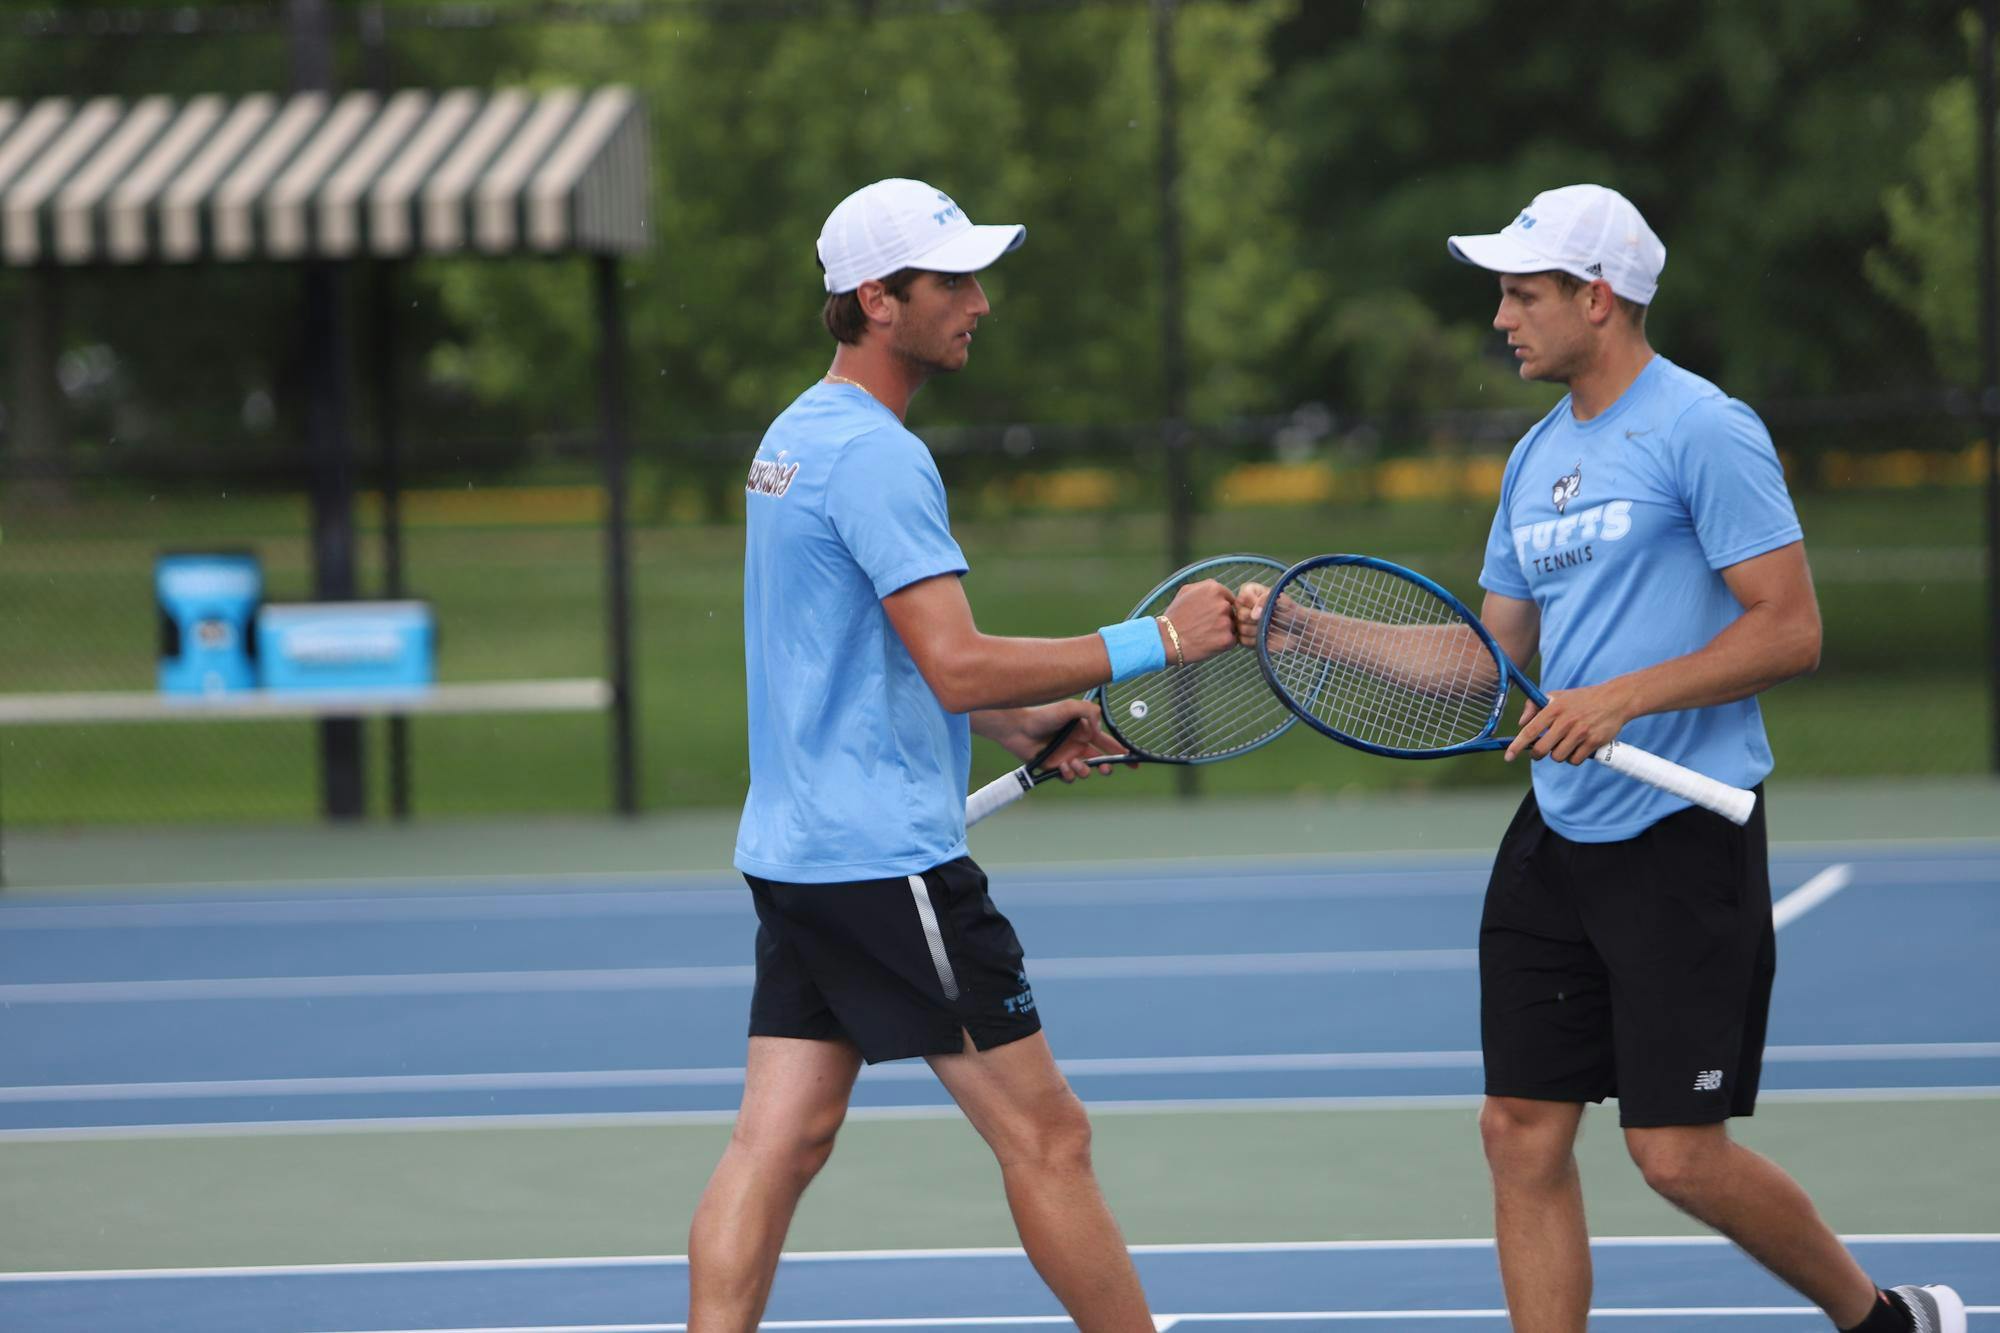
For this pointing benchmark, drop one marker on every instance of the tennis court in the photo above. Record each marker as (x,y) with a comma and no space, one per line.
(487,1102)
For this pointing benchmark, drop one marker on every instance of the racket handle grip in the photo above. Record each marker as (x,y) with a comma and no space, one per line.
(1002,791)
(1732,803)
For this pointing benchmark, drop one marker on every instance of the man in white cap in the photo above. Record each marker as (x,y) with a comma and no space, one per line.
(1646,547)
(867,677)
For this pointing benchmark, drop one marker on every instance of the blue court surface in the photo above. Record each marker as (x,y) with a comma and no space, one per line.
(247,1010)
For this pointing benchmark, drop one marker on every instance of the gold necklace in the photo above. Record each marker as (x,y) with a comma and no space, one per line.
(832,378)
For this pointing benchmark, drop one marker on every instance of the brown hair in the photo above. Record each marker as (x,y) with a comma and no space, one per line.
(842,311)
(1570,285)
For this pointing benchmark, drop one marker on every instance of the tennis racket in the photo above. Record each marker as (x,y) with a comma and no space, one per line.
(1380,658)
(1213,709)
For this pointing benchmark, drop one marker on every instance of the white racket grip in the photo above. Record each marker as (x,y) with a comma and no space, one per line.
(1732,803)
(1000,792)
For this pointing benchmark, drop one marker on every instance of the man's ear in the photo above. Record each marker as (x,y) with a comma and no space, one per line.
(875,301)
(1603,303)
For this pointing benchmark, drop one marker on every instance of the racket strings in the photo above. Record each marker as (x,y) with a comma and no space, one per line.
(1382,659)
(1204,710)
(1182,715)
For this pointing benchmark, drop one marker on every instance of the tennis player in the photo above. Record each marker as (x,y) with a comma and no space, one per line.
(1646,546)
(867,678)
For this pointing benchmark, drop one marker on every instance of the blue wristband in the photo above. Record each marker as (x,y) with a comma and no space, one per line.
(1135,647)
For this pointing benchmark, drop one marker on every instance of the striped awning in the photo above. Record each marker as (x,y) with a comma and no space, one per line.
(315,176)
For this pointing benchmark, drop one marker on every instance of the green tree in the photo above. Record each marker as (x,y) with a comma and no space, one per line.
(1757,139)
(759,128)
(1929,265)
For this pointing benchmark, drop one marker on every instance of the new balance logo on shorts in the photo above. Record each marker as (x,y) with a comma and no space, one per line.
(1708,1080)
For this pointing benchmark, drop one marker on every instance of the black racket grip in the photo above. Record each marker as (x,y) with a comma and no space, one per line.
(1055,743)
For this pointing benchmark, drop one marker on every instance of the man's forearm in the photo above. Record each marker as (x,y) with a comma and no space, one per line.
(1003,725)
(1762,648)
(1426,659)
(993,672)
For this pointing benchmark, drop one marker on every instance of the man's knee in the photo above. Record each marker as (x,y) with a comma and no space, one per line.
(1677,1161)
(1053,1135)
(797,1151)
(1529,1142)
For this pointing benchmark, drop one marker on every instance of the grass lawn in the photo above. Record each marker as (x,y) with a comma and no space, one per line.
(1902,689)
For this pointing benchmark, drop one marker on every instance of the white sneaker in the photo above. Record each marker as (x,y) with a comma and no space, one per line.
(1936,1309)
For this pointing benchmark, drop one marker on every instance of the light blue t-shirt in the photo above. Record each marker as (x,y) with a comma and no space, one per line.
(856,770)
(1618,528)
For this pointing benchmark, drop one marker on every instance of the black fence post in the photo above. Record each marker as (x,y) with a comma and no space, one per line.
(1989,340)
(342,780)
(612,455)
(342,785)
(1176,438)
(389,442)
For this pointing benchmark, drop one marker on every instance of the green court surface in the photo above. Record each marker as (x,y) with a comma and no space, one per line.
(1872,1167)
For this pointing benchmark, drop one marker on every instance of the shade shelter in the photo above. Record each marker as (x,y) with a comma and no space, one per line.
(325,183)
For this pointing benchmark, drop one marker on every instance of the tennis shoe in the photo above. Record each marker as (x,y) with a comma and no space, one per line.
(1935,1309)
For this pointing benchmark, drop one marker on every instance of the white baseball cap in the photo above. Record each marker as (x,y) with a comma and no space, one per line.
(1586,231)
(896,224)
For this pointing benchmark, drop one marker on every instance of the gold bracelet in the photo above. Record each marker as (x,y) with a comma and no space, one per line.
(1180,658)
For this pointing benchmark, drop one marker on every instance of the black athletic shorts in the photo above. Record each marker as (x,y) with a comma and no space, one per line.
(1638,969)
(900,967)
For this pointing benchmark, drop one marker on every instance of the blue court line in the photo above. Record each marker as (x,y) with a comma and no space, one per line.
(1678,1282)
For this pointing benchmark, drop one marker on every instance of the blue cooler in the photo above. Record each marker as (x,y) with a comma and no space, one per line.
(346,645)
(207,602)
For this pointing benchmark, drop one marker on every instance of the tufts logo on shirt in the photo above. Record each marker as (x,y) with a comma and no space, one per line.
(1566,488)
(1544,548)
(772,476)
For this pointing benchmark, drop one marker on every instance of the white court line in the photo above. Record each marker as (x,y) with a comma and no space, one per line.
(721,1076)
(1811,894)
(1914,1050)
(495,903)
(1891,851)
(732,1075)
(232,1129)
(715,977)
(1223,879)
(1162,1322)
(394,1266)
